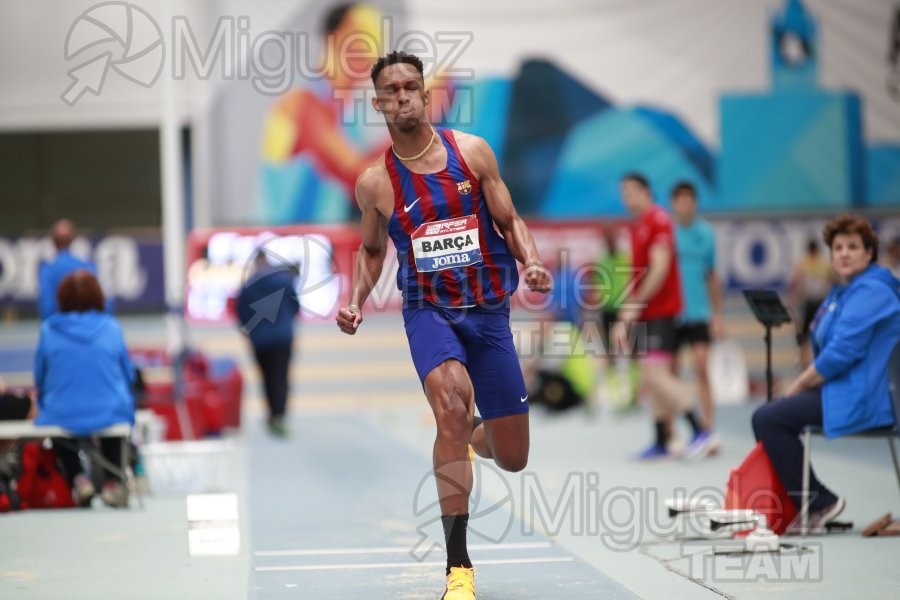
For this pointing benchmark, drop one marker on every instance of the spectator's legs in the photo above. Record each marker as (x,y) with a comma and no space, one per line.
(778,425)
(281,376)
(274,363)
(668,397)
(700,350)
(111,449)
(668,394)
(66,450)
(607,320)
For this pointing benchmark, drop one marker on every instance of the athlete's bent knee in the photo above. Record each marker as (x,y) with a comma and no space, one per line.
(512,462)
(453,418)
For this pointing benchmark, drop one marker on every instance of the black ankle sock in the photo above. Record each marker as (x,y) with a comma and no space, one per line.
(455,535)
(691,418)
(662,434)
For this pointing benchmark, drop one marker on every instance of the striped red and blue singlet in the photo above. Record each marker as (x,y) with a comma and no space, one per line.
(449,252)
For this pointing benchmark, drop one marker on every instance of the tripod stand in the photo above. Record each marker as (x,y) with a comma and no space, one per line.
(769,311)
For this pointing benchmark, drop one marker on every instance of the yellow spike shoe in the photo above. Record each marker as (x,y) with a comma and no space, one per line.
(460,584)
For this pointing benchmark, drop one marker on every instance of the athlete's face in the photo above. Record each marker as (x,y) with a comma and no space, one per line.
(635,197)
(684,206)
(401,95)
(849,256)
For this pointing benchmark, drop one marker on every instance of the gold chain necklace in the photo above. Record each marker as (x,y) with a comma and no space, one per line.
(420,154)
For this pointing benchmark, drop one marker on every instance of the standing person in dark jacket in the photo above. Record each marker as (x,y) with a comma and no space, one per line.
(84,376)
(267,309)
(845,389)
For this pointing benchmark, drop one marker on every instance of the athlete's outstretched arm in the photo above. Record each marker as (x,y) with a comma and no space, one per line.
(370,258)
(499,202)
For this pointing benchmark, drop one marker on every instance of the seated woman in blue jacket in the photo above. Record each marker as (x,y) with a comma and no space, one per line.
(845,389)
(84,376)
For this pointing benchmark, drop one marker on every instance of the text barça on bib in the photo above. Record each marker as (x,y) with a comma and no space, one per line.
(446,244)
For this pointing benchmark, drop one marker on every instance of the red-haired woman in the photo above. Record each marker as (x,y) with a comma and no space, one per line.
(84,377)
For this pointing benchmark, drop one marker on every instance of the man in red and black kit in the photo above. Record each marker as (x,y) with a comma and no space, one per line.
(655,301)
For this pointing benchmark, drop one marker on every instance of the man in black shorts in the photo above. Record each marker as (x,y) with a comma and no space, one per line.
(701,316)
(654,303)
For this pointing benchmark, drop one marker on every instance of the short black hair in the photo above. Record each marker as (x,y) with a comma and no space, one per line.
(637,178)
(395,58)
(684,187)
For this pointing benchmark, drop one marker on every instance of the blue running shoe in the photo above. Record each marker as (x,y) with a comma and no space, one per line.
(654,452)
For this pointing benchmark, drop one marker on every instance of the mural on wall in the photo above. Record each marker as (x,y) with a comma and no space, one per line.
(563,145)
(318,138)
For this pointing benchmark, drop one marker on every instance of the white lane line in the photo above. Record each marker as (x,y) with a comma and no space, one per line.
(394,550)
(413,564)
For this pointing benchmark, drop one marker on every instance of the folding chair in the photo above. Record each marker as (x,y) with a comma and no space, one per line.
(888,433)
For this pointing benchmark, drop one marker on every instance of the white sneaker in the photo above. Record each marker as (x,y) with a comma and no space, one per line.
(820,518)
(114,494)
(83,490)
(705,443)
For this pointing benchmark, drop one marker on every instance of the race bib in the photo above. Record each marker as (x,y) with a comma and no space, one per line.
(446,244)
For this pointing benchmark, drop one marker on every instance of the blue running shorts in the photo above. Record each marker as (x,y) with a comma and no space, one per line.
(480,338)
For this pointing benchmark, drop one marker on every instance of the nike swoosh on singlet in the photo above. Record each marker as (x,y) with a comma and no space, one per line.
(409,208)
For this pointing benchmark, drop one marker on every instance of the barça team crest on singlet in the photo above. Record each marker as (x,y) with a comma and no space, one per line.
(449,251)
(446,244)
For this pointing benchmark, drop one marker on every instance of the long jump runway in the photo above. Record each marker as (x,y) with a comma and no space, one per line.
(342,510)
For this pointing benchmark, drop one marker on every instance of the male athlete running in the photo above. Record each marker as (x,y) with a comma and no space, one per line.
(438,195)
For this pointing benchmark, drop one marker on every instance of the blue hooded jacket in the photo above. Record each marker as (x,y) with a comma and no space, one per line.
(267,308)
(83,373)
(51,273)
(855,331)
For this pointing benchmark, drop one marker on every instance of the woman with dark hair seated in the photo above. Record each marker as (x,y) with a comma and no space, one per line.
(845,389)
(84,377)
